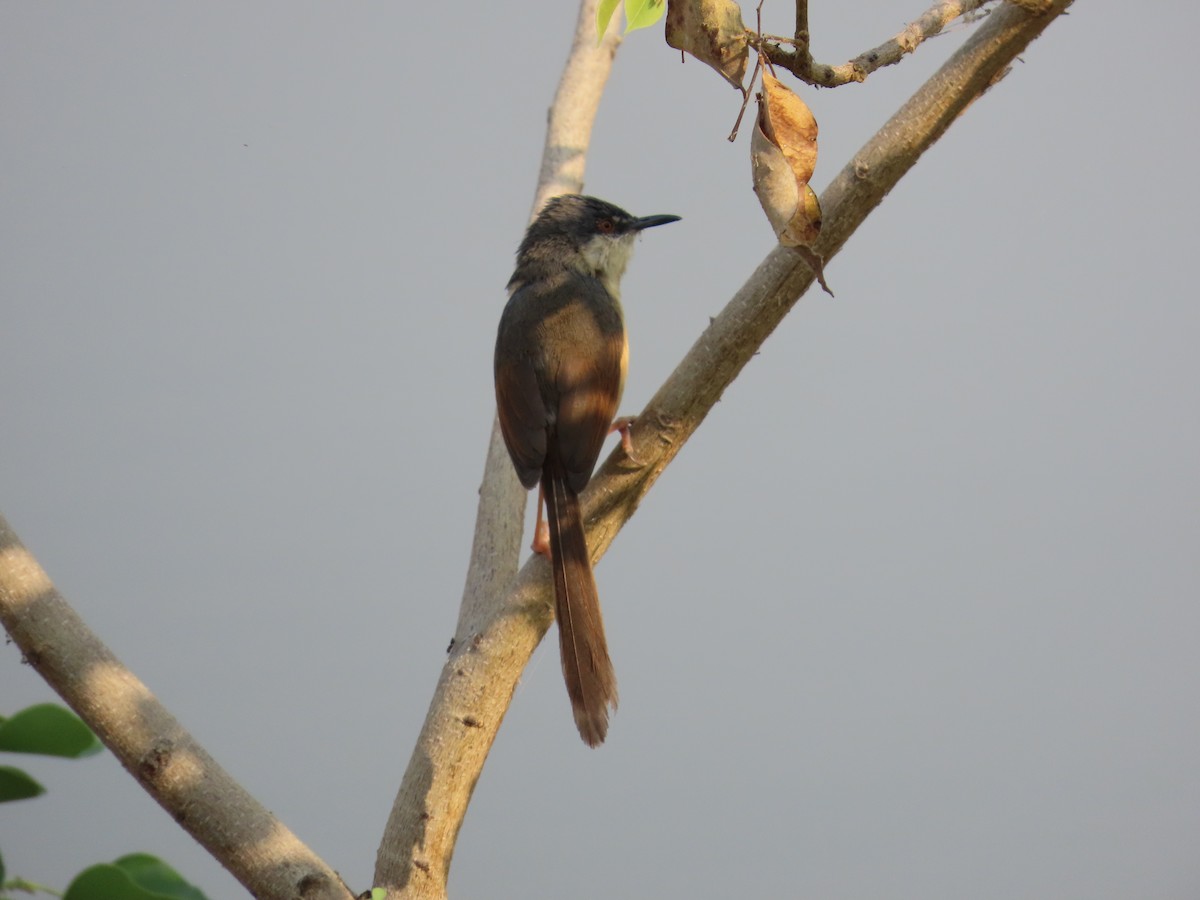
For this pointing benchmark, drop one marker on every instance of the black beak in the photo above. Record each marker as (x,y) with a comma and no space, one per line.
(651,221)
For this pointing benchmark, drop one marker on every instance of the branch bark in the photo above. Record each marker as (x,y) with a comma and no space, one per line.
(498,628)
(174,769)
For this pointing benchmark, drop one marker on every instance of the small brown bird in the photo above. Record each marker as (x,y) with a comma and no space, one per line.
(561,354)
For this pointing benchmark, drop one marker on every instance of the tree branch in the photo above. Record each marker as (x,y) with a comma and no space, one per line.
(148,741)
(802,35)
(801,63)
(498,632)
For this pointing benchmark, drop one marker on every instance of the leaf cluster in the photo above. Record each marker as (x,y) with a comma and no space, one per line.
(51,730)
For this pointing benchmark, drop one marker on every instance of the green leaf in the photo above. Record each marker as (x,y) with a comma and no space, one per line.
(16,785)
(48,729)
(105,881)
(137,876)
(153,874)
(604,14)
(643,13)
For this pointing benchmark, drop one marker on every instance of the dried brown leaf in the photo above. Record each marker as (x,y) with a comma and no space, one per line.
(790,124)
(712,31)
(783,154)
(774,180)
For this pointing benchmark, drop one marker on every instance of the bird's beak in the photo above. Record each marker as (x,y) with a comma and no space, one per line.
(651,221)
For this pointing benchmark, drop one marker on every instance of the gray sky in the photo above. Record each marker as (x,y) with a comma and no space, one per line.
(913,616)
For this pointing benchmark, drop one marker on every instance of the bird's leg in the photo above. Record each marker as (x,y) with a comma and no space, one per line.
(624,425)
(541,529)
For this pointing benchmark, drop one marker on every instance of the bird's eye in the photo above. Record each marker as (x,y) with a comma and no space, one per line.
(606,226)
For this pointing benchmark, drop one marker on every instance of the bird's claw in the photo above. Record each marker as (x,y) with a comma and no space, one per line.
(624,425)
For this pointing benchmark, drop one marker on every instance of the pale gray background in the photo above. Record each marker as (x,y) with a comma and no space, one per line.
(913,616)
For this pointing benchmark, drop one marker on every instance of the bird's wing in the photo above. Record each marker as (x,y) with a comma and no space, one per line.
(522,414)
(588,383)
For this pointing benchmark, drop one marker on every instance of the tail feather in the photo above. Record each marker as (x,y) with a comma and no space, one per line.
(587,669)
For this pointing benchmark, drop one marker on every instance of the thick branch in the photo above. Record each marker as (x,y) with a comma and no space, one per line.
(491,644)
(801,63)
(497,634)
(175,770)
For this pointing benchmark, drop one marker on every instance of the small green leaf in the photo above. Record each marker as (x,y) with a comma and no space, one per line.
(48,729)
(604,14)
(643,13)
(137,876)
(154,875)
(16,785)
(106,881)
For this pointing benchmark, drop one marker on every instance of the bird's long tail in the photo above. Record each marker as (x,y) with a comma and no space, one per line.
(591,682)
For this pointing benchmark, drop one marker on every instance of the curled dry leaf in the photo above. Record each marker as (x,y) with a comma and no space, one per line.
(712,31)
(783,154)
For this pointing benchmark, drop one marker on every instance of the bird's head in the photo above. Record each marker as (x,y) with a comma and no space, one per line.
(589,234)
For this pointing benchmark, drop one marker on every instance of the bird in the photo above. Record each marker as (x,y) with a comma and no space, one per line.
(560,363)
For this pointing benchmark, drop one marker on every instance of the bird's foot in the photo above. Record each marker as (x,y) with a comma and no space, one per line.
(625,425)
(541,539)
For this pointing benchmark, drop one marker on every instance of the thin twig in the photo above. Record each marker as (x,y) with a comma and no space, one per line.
(802,37)
(747,93)
(801,63)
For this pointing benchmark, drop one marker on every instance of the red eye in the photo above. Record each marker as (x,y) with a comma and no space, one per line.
(606,226)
